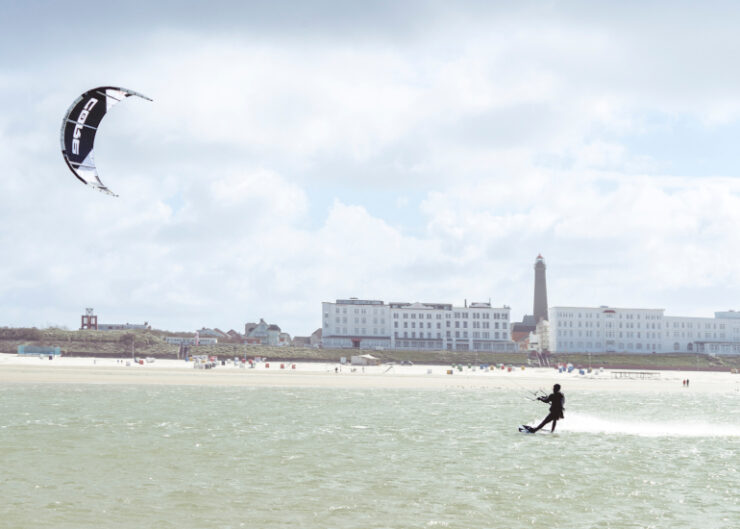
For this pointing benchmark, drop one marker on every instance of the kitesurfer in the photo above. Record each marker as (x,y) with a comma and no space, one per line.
(557,402)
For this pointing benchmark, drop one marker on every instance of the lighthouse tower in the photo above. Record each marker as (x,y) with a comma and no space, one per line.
(540,290)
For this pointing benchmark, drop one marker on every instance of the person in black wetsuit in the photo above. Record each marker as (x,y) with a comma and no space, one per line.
(557,402)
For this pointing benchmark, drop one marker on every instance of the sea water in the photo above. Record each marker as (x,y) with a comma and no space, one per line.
(204,457)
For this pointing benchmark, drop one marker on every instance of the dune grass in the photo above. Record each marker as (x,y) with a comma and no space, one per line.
(152,343)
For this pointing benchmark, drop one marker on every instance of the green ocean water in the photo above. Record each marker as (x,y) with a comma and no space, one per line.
(203,457)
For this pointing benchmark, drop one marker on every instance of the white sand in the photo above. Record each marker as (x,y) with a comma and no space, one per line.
(71,370)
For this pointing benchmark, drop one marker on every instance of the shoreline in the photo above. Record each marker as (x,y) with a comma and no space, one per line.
(92,370)
(580,361)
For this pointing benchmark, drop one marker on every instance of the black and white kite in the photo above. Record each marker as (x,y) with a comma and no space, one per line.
(80,126)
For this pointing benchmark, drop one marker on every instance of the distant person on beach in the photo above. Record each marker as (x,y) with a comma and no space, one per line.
(557,403)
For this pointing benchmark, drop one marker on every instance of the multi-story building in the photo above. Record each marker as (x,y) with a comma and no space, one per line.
(718,335)
(608,329)
(356,323)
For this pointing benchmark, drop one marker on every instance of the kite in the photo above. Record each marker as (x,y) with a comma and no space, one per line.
(79,127)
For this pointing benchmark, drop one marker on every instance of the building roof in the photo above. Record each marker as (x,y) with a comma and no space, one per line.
(418,305)
(601,307)
(527,325)
(355,301)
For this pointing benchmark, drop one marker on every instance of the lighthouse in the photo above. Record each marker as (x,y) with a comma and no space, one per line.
(540,290)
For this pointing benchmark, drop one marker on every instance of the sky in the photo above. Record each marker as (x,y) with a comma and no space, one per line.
(300,152)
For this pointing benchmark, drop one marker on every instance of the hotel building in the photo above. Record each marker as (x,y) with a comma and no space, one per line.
(373,324)
(623,330)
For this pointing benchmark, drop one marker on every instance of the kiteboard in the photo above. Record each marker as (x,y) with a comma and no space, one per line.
(525,429)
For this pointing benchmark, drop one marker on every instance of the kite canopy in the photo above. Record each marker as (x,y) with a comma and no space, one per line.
(79,127)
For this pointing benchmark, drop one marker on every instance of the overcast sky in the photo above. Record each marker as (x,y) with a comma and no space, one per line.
(300,152)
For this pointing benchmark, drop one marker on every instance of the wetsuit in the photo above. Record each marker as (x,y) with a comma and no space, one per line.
(557,401)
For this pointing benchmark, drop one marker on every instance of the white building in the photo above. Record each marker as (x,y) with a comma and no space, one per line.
(623,330)
(718,335)
(356,323)
(539,339)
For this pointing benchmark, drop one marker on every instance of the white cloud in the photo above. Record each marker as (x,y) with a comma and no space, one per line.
(243,186)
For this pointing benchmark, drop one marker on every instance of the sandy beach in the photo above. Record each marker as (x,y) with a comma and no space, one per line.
(72,370)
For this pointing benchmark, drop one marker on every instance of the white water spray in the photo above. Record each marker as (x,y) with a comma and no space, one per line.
(585,423)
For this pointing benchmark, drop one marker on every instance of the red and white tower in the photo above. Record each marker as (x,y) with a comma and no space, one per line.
(89,320)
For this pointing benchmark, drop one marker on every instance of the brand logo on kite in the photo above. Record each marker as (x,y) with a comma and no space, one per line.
(80,123)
